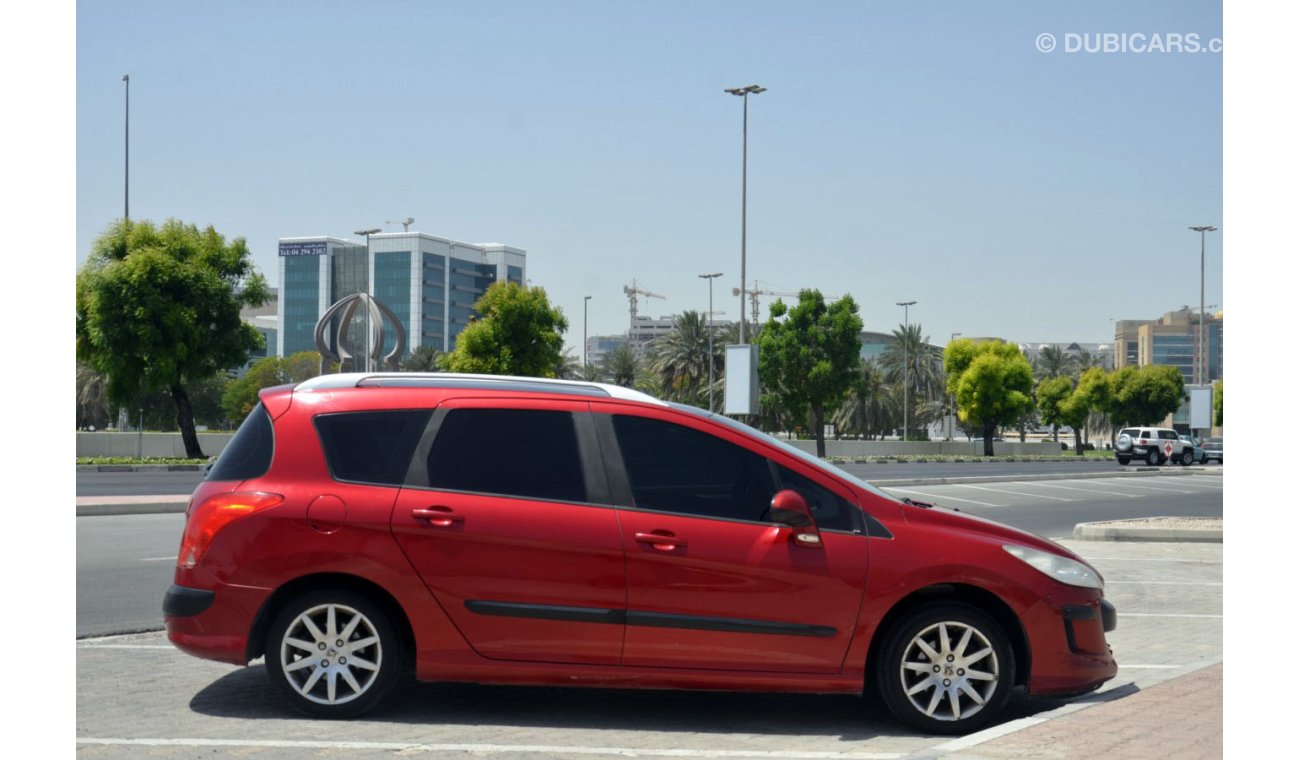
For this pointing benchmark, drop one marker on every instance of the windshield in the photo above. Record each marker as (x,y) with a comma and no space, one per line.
(794,451)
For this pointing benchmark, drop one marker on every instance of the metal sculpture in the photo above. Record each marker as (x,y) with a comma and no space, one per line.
(348,352)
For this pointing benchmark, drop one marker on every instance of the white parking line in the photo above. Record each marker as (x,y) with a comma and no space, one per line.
(1186,482)
(540,749)
(1013,493)
(1162,583)
(1156,559)
(158,559)
(1155,488)
(1164,615)
(126,646)
(1085,490)
(945,498)
(1122,666)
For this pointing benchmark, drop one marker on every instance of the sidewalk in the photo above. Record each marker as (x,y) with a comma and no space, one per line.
(1182,718)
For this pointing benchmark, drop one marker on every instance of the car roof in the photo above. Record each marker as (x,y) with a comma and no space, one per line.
(459,381)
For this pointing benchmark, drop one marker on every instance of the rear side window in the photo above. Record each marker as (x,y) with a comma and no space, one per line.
(371,447)
(528,453)
(248,455)
(673,468)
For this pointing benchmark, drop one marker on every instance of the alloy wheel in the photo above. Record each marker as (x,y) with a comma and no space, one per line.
(331,654)
(949,671)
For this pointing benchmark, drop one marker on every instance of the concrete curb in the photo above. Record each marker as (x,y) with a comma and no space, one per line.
(1135,472)
(140,467)
(1115,530)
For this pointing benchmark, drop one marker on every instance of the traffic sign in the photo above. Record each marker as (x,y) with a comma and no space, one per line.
(1169,449)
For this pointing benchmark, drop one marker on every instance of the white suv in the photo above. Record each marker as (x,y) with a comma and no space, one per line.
(1154,445)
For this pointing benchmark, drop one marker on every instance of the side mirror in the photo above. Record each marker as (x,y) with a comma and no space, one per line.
(790,509)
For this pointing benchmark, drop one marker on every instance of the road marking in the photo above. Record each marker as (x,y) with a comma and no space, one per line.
(1164,615)
(158,559)
(1156,559)
(953,498)
(1122,666)
(989,734)
(126,646)
(541,749)
(1162,583)
(1085,490)
(1187,482)
(1155,488)
(1014,493)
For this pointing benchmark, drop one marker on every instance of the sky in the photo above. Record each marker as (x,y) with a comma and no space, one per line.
(925,151)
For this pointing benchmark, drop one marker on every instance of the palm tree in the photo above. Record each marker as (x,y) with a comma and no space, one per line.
(871,408)
(621,366)
(592,373)
(93,406)
(924,364)
(1053,361)
(567,366)
(1086,360)
(679,361)
(422,359)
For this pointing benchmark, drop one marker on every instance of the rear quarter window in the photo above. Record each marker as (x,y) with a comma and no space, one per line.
(371,447)
(248,455)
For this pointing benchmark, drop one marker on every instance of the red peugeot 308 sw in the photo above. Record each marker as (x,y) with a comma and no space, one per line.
(526,531)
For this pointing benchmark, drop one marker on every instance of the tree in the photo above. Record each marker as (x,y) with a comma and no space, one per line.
(870,409)
(1052,394)
(809,358)
(519,333)
(1143,395)
(158,308)
(421,359)
(568,367)
(1053,361)
(241,394)
(1090,395)
(621,366)
(680,360)
(992,382)
(1218,403)
(910,356)
(93,407)
(1086,360)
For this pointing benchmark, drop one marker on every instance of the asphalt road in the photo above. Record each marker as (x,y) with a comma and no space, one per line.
(125,563)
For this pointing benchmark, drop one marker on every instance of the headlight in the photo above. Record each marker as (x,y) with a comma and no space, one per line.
(1056,567)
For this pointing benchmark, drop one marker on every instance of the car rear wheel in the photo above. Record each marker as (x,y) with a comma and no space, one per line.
(333,653)
(946,668)
(1153,457)
(1123,459)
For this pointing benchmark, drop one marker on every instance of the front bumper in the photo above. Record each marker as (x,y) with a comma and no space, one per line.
(1069,653)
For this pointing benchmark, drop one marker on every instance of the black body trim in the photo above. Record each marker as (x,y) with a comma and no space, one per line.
(1109,616)
(645,619)
(1078,612)
(181,601)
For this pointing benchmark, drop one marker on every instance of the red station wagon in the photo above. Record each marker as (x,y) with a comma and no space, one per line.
(523,531)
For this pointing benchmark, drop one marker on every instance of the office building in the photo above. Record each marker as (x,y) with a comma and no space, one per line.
(430,283)
(1173,339)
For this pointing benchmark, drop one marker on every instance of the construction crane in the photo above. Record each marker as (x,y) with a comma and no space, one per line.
(632,293)
(755,292)
(406,223)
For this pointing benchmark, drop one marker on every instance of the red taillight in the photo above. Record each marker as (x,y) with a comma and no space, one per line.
(1142,441)
(207,519)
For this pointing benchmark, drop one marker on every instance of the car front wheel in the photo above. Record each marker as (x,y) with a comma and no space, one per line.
(333,653)
(946,668)
(1188,457)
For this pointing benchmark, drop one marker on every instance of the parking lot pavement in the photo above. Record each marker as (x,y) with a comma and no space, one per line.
(139,697)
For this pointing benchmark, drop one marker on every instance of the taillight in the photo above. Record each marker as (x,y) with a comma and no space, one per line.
(207,519)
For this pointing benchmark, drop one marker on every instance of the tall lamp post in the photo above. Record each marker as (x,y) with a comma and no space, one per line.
(952,400)
(126,164)
(710,277)
(585,299)
(744,93)
(367,233)
(1202,354)
(905,304)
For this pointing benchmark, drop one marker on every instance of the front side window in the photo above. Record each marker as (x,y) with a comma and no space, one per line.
(371,447)
(528,453)
(672,468)
(829,511)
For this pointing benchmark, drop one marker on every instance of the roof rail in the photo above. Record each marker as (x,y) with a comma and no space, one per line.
(483,382)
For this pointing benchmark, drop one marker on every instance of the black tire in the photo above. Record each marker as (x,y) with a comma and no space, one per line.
(1153,457)
(1123,459)
(372,641)
(1188,458)
(932,711)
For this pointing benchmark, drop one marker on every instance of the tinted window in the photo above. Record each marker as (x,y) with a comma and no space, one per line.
(528,453)
(829,511)
(371,447)
(673,468)
(1168,435)
(248,455)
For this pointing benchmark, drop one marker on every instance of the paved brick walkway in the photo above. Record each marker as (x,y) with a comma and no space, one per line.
(1182,718)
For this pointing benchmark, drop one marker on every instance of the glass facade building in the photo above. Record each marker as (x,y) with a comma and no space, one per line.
(429,283)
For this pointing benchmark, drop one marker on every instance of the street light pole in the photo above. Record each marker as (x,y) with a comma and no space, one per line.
(126,187)
(1202,354)
(710,277)
(585,299)
(744,93)
(367,234)
(906,330)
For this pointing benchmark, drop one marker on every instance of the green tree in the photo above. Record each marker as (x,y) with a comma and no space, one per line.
(809,358)
(568,367)
(93,407)
(1090,394)
(421,359)
(621,366)
(992,382)
(1052,393)
(241,394)
(1053,361)
(870,409)
(680,360)
(911,356)
(1144,395)
(1218,403)
(158,308)
(519,333)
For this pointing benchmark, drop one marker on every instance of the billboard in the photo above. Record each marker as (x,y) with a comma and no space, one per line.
(741,380)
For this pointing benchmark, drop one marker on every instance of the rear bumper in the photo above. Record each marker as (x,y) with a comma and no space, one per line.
(212,623)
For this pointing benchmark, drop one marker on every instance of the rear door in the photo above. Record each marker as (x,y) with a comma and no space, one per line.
(506,518)
(712,581)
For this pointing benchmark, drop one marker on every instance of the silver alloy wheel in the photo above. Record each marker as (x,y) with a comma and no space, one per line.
(331,654)
(949,671)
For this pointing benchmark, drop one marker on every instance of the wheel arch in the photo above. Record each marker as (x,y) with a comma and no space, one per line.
(286,593)
(979,598)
